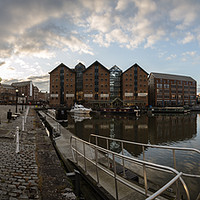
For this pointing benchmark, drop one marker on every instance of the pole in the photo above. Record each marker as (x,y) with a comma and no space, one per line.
(22,123)
(17,139)
(16,99)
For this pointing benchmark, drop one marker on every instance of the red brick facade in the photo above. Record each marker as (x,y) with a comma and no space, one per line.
(96,83)
(62,86)
(171,90)
(135,86)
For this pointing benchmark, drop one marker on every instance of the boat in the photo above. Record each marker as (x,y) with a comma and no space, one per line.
(77,108)
(169,110)
(127,110)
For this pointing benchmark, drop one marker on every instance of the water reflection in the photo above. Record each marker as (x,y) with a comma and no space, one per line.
(160,129)
(170,130)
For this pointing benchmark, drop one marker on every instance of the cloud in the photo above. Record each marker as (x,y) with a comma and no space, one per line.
(40,28)
(172,56)
(189,37)
(190,53)
(2,63)
(185,13)
(42,82)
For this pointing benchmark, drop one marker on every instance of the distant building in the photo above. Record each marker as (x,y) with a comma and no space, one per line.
(135,86)
(96,85)
(62,86)
(7,94)
(26,89)
(115,82)
(171,90)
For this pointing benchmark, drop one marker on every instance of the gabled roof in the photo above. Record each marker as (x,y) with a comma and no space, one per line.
(61,65)
(114,68)
(80,64)
(136,65)
(80,67)
(171,76)
(96,63)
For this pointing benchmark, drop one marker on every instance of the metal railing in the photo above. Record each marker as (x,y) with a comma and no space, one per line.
(79,147)
(143,149)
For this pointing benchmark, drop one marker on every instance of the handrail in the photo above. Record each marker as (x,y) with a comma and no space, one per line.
(130,159)
(142,144)
(149,145)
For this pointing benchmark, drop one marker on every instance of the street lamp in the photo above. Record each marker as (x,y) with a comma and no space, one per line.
(16,98)
(22,101)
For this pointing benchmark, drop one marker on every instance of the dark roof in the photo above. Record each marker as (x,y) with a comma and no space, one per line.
(136,65)
(80,64)
(7,86)
(171,76)
(61,65)
(97,63)
(114,67)
(20,84)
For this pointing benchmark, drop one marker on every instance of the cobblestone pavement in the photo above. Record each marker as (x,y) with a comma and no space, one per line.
(35,172)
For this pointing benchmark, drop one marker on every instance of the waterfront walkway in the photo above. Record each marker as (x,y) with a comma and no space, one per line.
(35,172)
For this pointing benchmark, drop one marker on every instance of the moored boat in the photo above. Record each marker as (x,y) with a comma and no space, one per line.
(77,108)
(169,110)
(126,110)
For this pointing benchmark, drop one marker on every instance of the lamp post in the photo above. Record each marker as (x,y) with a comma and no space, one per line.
(22,101)
(16,98)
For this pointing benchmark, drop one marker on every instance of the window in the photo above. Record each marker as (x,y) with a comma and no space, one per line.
(159,85)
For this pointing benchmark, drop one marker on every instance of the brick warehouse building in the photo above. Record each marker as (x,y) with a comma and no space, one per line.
(62,86)
(135,86)
(171,90)
(96,84)
(94,87)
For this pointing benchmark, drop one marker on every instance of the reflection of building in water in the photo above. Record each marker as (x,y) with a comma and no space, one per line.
(171,128)
(161,129)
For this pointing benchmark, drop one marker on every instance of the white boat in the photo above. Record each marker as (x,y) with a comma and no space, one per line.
(77,108)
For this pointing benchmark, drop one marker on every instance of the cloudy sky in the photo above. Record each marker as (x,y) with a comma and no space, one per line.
(37,35)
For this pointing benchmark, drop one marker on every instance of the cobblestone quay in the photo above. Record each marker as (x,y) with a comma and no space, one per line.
(35,172)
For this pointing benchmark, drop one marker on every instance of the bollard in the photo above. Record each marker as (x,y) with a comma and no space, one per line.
(17,139)
(22,123)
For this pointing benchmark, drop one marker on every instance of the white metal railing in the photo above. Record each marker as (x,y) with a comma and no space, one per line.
(143,149)
(77,144)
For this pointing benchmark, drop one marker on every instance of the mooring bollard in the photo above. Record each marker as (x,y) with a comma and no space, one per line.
(17,139)
(22,123)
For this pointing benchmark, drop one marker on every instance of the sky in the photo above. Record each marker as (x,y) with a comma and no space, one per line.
(37,35)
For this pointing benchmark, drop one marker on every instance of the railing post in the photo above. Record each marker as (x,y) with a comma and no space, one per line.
(84,157)
(144,172)
(115,174)
(96,159)
(96,140)
(122,144)
(17,139)
(177,183)
(76,151)
(107,146)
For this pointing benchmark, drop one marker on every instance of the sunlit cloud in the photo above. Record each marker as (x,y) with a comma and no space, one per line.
(52,31)
(172,56)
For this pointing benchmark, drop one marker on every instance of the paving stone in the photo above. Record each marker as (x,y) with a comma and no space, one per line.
(19,172)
